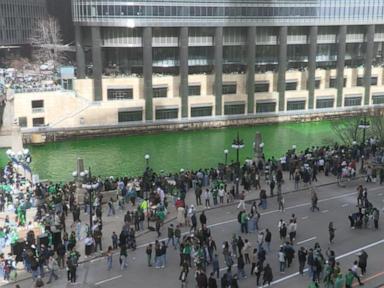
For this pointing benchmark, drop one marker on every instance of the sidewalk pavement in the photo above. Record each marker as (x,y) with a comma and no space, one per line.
(115,222)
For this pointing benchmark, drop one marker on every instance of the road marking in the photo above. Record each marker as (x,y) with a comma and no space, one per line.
(95,260)
(324,211)
(370,278)
(345,205)
(380,194)
(109,279)
(306,240)
(337,258)
(305,217)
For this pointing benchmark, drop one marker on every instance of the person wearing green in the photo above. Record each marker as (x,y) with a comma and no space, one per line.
(339,281)
(313,284)
(349,279)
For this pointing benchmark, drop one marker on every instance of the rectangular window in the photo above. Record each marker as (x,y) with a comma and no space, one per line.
(194,90)
(265,107)
(163,114)
(23,122)
(378,99)
(229,89)
(160,92)
(296,105)
(67,84)
(324,103)
(37,106)
(201,111)
(261,87)
(352,101)
(333,82)
(130,116)
(291,86)
(120,93)
(234,109)
(317,83)
(38,122)
(360,81)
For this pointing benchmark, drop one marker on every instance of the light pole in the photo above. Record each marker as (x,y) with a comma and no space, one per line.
(364,124)
(90,187)
(146,157)
(147,185)
(226,156)
(237,144)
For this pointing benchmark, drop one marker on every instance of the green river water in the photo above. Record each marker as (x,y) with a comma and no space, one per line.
(170,151)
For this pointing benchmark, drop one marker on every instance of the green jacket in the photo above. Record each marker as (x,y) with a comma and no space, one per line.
(349,278)
(339,282)
(313,285)
(244,218)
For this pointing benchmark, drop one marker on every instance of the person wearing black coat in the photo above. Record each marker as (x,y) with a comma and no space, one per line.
(267,276)
(212,281)
(201,279)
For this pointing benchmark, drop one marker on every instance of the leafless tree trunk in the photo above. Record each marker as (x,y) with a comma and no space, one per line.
(47,41)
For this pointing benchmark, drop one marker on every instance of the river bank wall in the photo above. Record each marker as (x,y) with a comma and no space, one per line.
(46,134)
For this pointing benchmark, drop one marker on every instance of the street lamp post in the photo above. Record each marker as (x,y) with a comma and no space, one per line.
(364,124)
(90,187)
(226,156)
(147,185)
(237,144)
(146,157)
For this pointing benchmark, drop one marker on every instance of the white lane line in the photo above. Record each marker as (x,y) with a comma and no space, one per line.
(306,240)
(305,217)
(345,205)
(109,279)
(324,211)
(337,258)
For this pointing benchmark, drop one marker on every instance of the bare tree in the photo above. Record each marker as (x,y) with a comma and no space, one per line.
(348,129)
(377,125)
(47,41)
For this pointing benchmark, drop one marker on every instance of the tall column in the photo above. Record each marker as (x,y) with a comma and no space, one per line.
(369,38)
(251,42)
(183,89)
(312,65)
(282,66)
(80,57)
(147,72)
(340,64)
(218,84)
(97,64)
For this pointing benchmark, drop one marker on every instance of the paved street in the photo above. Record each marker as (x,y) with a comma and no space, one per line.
(335,205)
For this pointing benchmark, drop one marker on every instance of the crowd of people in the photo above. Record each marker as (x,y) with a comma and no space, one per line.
(44,79)
(148,197)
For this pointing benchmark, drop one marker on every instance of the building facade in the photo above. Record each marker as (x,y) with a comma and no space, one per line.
(18,19)
(148,60)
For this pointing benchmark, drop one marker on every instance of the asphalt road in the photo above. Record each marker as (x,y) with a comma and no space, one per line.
(335,205)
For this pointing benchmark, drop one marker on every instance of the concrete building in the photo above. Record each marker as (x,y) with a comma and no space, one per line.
(18,19)
(181,60)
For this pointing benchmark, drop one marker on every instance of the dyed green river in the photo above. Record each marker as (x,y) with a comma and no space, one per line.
(124,155)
